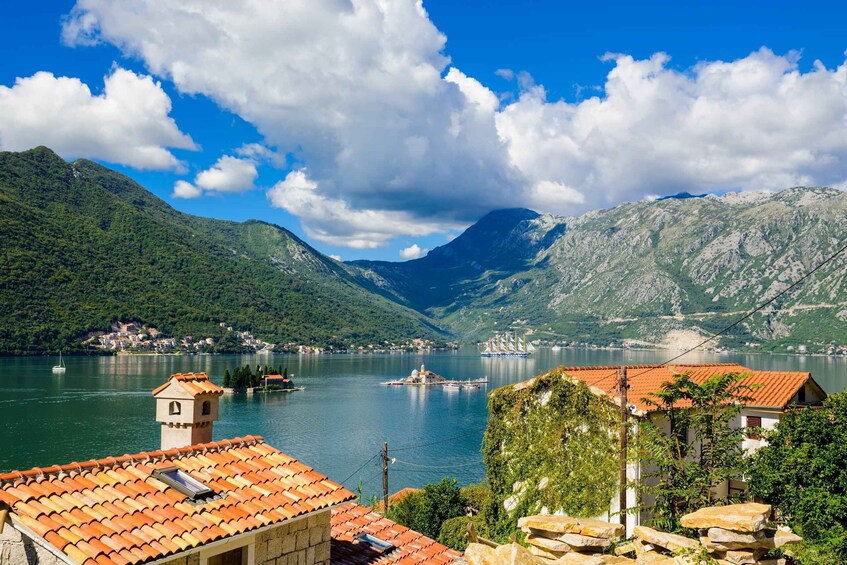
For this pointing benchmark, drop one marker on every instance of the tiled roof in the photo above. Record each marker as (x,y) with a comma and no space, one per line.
(193,383)
(771,389)
(114,511)
(411,547)
(395,498)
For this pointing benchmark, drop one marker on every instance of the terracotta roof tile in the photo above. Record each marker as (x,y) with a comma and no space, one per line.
(351,519)
(193,383)
(112,511)
(772,389)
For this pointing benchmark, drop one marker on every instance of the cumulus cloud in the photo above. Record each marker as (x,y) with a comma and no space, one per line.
(395,140)
(414,251)
(333,221)
(228,175)
(753,123)
(128,123)
(184,189)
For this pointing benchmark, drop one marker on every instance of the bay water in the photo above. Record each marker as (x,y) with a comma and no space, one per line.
(102,406)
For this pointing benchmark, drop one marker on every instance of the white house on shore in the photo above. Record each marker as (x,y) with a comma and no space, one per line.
(772,394)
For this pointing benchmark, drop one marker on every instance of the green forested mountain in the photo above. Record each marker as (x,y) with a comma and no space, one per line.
(645,271)
(81,246)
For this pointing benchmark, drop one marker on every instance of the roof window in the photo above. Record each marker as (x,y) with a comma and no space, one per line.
(380,545)
(184,483)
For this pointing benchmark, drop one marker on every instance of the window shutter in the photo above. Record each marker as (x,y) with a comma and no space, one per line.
(754,423)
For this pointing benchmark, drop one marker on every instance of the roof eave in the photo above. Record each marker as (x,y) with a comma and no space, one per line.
(250,533)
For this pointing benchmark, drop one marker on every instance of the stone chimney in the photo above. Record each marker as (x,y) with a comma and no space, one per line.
(186,406)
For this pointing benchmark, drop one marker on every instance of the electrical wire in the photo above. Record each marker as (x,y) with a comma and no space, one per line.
(377,454)
(408,447)
(478,462)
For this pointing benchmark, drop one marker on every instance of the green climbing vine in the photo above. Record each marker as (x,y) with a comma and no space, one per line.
(550,445)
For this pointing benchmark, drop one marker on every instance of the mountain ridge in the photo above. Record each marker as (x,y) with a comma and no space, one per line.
(83,246)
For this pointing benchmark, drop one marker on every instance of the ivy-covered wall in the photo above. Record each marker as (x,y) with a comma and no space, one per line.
(551,445)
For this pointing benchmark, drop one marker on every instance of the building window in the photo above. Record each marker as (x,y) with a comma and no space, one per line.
(232,557)
(241,551)
(754,427)
(174,409)
(207,407)
(801,395)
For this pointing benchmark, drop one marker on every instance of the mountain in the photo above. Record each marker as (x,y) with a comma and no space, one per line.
(668,270)
(82,246)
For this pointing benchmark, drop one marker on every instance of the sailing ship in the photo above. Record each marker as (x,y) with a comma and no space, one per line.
(507,344)
(60,368)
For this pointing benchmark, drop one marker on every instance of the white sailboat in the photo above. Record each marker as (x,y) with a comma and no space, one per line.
(507,345)
(60,368)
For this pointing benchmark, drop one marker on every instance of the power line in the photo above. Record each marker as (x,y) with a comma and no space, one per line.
(408,447)
(362,467)
(478,462)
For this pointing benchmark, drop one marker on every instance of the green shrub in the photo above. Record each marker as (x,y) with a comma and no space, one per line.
(453,531)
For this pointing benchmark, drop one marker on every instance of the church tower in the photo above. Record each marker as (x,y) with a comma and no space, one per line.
(186,406)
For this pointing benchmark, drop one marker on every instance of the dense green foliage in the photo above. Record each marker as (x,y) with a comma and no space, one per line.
(802,472)
(454,530)
(82,246)
(547,440)
(424,511)
(247,376)
(697,451)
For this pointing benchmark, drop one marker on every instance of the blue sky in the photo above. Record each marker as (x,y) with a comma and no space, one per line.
(413,138)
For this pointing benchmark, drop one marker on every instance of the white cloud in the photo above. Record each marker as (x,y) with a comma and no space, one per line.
(228,174)
(336,257)
(183,189)
(128,123)
(395,141)
(332,221)
(753,123)
(414,251)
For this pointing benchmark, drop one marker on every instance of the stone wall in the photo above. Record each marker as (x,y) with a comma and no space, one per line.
(20,549)
(302,542)
(193,559)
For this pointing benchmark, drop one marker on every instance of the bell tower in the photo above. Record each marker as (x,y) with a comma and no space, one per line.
(186,407)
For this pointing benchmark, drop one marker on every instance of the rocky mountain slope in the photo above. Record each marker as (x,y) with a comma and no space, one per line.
(642,271)
(81,246)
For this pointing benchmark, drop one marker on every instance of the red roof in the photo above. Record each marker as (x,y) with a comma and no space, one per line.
(772,389)
(193,383)
(351,519)
(114,511)
(395,498)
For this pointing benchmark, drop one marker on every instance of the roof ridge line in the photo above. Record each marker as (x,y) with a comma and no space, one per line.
(112,461)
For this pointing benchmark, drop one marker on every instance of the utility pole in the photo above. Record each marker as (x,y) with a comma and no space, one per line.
(385,477)
(624,386)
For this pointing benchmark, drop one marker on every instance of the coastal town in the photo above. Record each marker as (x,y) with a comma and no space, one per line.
(137,338)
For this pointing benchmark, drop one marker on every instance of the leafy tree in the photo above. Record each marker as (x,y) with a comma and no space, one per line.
(802,473)
(426,510)
(227,379)
(699,451)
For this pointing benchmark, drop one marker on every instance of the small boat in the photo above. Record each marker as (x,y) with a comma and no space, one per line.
(555,348)
(470,386)
(60,368)
(452,386)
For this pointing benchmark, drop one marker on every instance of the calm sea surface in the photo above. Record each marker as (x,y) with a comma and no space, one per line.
(102,406)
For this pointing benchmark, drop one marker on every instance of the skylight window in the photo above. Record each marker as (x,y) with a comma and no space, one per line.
(379,545)
(184,483)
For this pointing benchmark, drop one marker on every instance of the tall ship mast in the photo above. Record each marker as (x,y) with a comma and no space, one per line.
(507,344)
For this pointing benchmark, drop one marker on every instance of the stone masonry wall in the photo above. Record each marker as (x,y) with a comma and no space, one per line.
(193,559)
(302,542)
(19,549)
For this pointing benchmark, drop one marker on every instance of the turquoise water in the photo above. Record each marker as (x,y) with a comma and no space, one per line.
(102,406)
